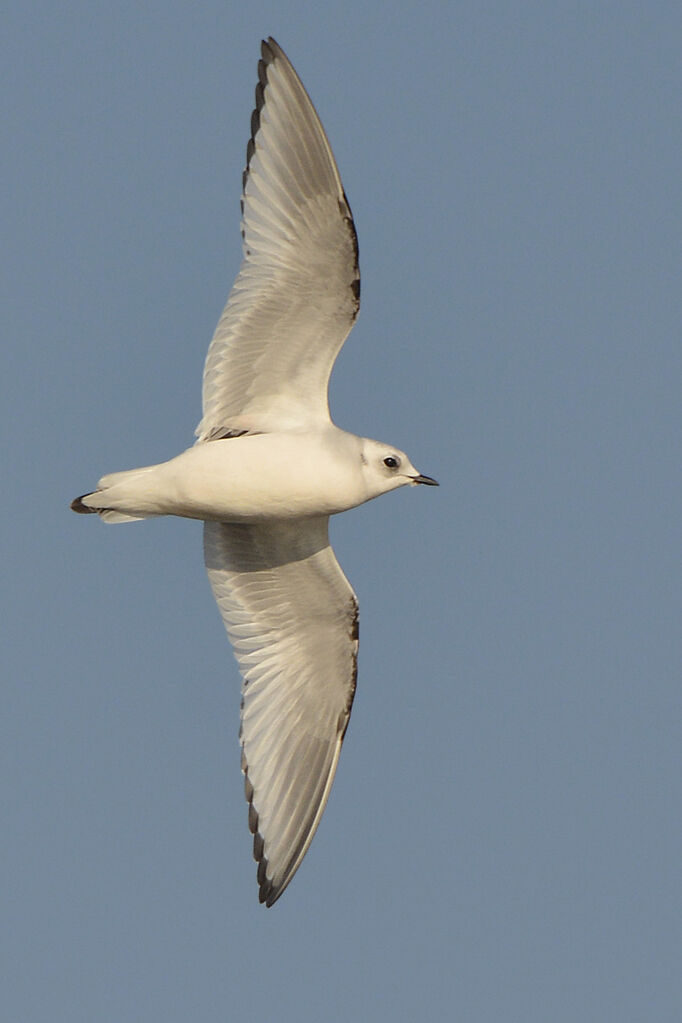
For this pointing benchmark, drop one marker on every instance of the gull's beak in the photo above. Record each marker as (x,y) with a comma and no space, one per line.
(426,480)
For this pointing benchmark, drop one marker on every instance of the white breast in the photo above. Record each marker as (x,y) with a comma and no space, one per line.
(268,476)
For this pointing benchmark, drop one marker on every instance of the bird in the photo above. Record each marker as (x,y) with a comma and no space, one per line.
(269,467)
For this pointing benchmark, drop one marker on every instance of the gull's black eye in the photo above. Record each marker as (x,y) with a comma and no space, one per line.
(391,462)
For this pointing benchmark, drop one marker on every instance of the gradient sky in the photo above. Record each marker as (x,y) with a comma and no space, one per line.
(503,841)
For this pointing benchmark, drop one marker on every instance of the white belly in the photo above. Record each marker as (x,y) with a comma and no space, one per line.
(265,476)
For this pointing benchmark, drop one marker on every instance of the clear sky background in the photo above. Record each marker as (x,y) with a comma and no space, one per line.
(503,841)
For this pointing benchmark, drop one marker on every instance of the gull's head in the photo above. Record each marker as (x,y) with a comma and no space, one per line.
(386,468)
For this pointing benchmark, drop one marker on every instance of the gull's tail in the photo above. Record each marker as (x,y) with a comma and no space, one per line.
(115,494)
(82,509)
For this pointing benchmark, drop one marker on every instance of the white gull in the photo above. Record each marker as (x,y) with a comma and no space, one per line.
(269,468)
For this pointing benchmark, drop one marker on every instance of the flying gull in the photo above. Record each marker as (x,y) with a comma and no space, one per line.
(269,467)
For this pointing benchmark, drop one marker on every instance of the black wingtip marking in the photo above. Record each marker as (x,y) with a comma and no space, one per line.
(354,633)
(255,117)
(268,49)
(266,890)
(346,214)
(348,217)
(268,55)
(355,621)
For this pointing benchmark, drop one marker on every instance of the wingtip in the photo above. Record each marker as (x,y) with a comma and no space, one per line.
(267,893)
(269,49)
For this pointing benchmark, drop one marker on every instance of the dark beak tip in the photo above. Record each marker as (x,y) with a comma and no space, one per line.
(426,480)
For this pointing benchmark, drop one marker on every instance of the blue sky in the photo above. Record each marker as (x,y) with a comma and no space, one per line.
(503,840)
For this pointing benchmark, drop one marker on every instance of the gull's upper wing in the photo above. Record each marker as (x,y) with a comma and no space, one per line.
(292,618)
(297,292)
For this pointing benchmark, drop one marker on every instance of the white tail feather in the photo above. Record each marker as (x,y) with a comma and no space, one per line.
(115,489)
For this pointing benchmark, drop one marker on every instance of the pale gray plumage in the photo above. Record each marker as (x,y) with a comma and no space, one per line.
(289,312)
(297,292)
(269,468)
(292,618)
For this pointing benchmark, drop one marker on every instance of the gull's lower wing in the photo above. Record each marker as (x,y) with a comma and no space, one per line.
(297,293)
(291,615)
